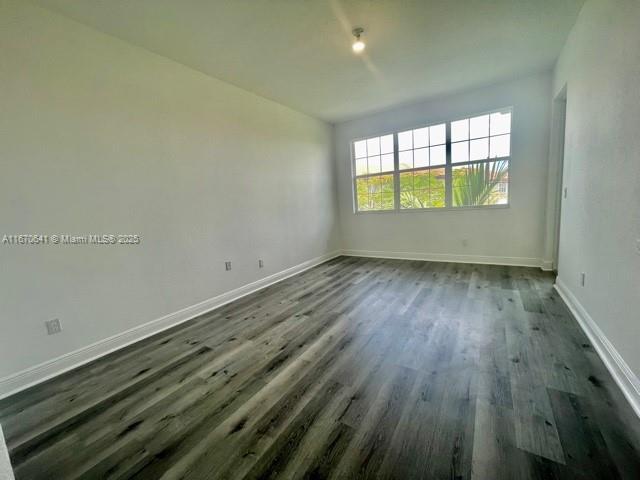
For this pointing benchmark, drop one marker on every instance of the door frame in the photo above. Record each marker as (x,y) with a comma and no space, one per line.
(557,170)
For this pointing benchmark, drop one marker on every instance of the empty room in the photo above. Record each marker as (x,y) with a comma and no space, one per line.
(319,239)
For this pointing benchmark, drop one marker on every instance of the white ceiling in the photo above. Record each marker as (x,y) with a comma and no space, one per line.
(297,52)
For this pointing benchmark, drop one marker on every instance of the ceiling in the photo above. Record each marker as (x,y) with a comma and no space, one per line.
(298,52)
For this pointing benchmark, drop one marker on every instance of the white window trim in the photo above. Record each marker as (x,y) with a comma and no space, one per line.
(448,166)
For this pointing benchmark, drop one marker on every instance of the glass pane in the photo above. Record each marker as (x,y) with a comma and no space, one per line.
(421,138)
(438,134)
(386,199)
(421,180)
(361,166)
(405,140)
(376,202)
(374,164)
(497,171)
(421,199)
(406,160)
(438,155)
(500,123)
(374,185)
(386,144)
(459,196)
(362,187)
(360,149)
(460,152)
(373,146)
(380,193)
(479,126)
(428,189)
(386,183)
(406,181)
(479,149)
(459,175)
(460,130)
(480,184)
(363,204)
(421,158)
(460,189)
(362,193)
(498,179)
(436,188)
(407,199)
(499,194)
(387,162)
(500,146)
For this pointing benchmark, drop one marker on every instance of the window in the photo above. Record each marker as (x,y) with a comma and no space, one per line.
(374,167)
(422,157)
(464,163)
(477,177)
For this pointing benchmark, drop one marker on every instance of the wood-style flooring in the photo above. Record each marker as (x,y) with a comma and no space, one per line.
(357,368)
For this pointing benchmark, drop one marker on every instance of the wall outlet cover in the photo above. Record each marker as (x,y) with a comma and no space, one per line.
(53,326)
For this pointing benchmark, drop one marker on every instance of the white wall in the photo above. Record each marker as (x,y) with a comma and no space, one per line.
(508,235)
(98,136)
(600,65)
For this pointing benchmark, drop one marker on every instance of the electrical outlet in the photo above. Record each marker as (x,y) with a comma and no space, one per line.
(227,266)
(565,192)
(260,264)
(583,277)
(53,326)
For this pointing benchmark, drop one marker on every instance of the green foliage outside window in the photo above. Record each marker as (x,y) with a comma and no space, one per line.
(422,189)
(375,193)
(480,184)
(472,185)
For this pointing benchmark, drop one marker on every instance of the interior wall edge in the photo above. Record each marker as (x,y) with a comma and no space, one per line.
(29,377)
(615,363)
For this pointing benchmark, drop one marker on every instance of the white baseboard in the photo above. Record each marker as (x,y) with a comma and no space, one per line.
(446,257)
(52,368)
(620,371)
(546,265)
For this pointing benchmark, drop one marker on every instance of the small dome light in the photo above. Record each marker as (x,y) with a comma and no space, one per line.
(358,45)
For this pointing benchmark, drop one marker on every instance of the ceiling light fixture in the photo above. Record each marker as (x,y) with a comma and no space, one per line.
(358,45)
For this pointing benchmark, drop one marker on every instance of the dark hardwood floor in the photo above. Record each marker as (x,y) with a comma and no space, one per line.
(358,368)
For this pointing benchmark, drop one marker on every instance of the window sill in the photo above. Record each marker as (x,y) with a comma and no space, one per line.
(442,209)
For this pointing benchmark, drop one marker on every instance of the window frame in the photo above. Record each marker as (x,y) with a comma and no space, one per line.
(448,168)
